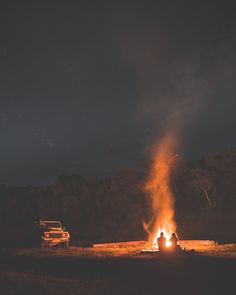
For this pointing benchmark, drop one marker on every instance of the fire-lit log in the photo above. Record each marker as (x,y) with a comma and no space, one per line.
(139,245)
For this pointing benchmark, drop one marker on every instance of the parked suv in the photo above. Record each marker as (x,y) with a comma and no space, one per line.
(53,234)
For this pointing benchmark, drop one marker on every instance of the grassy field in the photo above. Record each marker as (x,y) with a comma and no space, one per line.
(13,282)
(126,249)
(115,269)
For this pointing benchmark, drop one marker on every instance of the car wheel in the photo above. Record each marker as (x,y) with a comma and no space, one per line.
(66,245)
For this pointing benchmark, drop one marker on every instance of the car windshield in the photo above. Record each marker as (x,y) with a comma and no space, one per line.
(50,224)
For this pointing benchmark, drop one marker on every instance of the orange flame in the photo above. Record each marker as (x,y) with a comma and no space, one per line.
(158,189)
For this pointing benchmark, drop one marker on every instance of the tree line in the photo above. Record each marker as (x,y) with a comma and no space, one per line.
(113,208)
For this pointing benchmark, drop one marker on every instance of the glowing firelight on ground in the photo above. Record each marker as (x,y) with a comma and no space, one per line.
(158,189)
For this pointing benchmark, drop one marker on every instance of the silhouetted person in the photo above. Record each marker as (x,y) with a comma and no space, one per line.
(161,242)
(174,242)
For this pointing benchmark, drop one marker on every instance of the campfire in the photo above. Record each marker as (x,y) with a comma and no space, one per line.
(157,188)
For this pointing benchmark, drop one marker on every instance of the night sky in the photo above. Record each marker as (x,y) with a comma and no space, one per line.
(86,87)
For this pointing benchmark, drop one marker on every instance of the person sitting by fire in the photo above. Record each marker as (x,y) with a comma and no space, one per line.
(174,242)
(161,242)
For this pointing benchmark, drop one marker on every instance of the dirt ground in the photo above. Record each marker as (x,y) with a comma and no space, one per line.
(117,269)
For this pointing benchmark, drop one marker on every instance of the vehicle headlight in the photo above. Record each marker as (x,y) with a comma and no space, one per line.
(64,235)
(46,235)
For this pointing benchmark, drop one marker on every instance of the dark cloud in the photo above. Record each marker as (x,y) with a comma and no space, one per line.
(87,86)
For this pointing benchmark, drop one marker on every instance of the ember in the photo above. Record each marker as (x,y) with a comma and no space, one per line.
(158,189)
